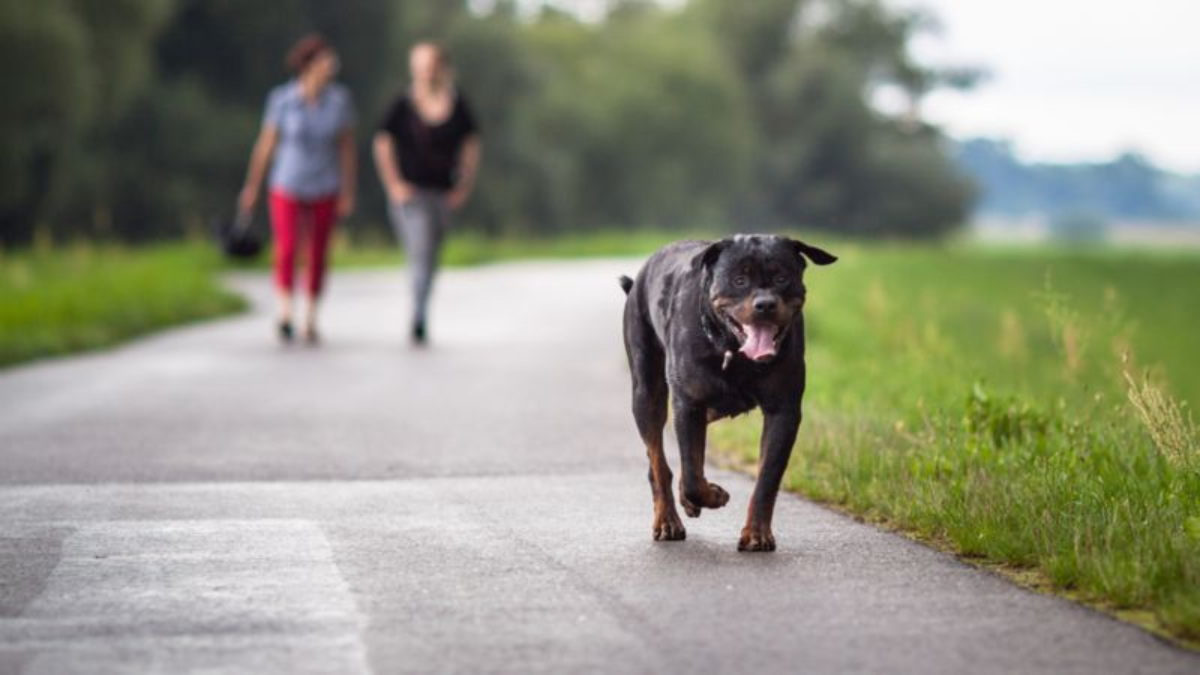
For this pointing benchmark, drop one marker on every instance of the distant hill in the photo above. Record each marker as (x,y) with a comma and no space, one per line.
(1129,188)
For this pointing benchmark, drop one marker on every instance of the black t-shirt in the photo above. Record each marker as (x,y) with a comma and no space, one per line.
(428,153)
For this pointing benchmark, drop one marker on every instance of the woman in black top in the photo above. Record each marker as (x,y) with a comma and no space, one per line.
(427,152)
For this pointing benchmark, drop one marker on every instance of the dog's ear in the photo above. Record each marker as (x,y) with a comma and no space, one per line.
(817,255)
(706,258)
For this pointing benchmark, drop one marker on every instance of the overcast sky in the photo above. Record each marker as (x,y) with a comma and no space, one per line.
(1074,80)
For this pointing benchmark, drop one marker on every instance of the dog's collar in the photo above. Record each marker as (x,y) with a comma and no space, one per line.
(716,333)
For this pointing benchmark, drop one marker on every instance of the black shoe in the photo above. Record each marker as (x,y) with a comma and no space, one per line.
(285,331)
(418,333)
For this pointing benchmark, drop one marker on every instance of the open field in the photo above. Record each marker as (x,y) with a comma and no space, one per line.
(981,400)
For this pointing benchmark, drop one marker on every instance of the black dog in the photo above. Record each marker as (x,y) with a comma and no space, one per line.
(718,327)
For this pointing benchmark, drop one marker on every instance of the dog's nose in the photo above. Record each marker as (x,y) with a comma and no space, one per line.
(765,305)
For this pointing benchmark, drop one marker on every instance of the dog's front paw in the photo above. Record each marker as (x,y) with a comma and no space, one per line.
(707,496)
(756,538)
(717,496)
(669,528)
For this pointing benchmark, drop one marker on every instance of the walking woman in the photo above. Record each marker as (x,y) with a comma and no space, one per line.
(307,138)
(427,152)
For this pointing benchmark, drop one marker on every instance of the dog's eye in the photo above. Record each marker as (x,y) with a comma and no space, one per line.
(740,281)
(782,279)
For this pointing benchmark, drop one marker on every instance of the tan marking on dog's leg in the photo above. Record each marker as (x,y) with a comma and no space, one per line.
(667,524)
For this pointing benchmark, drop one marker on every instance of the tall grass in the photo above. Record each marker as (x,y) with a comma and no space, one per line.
(55,301)
(1023,408)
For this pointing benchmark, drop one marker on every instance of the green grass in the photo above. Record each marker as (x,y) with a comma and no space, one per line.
(978,399)
(86,297)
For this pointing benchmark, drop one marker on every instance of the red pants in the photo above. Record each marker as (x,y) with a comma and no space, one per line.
(307,224)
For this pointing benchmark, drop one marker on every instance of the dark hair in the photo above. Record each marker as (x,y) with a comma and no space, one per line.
(304,51)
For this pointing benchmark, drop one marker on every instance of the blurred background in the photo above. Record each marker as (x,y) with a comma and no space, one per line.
(132,120)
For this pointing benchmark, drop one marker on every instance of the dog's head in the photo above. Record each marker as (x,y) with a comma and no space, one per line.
(754,285)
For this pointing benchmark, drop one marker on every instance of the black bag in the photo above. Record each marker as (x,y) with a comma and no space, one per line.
(238,237)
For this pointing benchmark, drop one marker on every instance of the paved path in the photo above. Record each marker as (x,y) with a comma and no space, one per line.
(205,500)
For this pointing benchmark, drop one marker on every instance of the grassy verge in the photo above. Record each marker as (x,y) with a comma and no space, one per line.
(85,297)
(1020,408)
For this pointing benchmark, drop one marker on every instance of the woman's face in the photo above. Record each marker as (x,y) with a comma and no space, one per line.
(324,67)
(425,63)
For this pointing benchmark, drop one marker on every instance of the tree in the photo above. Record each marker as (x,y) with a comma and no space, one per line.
(134,118)
(825,157)
(42,53)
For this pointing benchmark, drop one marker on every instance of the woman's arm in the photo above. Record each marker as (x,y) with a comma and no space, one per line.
(468,167)
(386,165)
(260,157)
(348,159)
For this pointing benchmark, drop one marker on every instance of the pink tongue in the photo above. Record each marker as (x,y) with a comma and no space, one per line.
(760,342)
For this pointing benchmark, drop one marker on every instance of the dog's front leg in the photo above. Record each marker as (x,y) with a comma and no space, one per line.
(695,492)
(775,449)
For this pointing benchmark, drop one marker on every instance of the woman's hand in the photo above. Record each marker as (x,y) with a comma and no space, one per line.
(345,205)
(468,159)
(456,198)
(264,147)
(399,192)
(348,164)
(248,199)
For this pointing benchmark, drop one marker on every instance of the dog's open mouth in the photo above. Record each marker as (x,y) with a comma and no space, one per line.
(759,340)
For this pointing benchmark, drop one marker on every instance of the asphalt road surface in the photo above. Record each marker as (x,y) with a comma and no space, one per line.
(207,501)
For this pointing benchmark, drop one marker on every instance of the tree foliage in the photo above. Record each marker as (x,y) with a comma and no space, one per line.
(134,118)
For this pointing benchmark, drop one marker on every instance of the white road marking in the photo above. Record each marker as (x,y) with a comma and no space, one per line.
(174,596)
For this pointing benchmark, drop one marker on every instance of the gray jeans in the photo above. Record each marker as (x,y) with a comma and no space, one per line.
(420,224)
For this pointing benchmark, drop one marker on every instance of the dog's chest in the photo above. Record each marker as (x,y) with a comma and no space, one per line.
(730,404)
(724,394)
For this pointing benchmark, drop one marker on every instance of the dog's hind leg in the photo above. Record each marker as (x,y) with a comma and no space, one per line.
(691,426)
(650,406)
(646,364)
